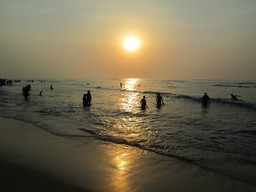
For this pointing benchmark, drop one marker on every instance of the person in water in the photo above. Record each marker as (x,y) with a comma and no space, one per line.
(51,87)
(159,100)
(205,99)
(87,98)
(25,91)
(143,103)
(233,97)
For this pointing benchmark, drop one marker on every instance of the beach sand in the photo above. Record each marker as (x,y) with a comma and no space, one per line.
(31,159)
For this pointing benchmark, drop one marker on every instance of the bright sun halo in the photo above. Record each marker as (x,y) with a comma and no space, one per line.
(131,44)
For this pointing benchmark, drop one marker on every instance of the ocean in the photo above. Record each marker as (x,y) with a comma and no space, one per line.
(220,138)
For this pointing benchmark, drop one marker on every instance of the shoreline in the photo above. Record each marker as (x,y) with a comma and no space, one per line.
(31,158)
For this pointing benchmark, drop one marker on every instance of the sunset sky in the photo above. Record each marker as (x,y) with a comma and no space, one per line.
(180,39)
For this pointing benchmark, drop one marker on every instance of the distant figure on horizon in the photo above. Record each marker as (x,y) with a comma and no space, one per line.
(87,98)
(205,99)
(25,91)
(51,87)
(41,93)
(159,100)
(121,85)
(234,97)
(143,103)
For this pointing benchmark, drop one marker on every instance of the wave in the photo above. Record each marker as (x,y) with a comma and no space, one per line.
(248,82)
(160,150)
(238,85)
(239,103)
(137,144)
(247,132)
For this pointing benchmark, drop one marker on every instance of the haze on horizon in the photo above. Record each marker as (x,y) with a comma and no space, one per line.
(199,39)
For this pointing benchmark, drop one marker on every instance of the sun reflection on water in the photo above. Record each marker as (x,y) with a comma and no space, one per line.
(130,99)
(131,84)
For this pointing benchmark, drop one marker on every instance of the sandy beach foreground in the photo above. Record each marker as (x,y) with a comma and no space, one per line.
(32,159)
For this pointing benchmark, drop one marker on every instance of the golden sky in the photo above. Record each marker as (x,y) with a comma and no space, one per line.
(200,39)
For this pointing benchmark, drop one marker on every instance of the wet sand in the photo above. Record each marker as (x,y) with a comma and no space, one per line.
(32,159)
(17,177)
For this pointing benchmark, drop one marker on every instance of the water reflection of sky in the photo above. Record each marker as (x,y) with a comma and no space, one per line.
(130,100)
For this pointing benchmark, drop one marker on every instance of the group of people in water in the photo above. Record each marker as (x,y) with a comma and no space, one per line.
(87,98)
(159,102)
(206,99)
(27,88)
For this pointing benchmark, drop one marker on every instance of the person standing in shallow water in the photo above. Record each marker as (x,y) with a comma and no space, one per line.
(159,100)
(25,91)
(143,103)
(87,98)
(205,99)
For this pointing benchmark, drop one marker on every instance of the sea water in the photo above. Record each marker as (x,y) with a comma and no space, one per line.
(220,137)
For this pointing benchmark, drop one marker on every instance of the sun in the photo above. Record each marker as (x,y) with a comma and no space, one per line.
(131,43)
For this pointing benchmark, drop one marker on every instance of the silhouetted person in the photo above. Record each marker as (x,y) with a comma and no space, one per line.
(87,98)
(205,99)
(25,91)
(121,85)
(41,93)
(51,87)
(84,99)
(159,100)
(143,103)
(234,97)
(9,82)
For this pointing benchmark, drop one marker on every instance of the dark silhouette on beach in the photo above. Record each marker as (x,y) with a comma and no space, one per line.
(51,87)
(41,93)
(121,85)
(234,97)
(159,101)
(9,82)
(143,103)
(25,91)
(87,98)
(205,100)
(5,82)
